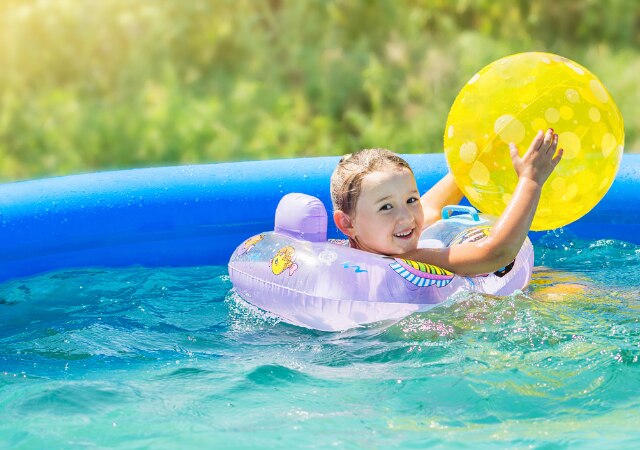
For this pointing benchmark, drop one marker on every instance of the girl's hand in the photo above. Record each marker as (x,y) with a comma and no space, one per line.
(539,161)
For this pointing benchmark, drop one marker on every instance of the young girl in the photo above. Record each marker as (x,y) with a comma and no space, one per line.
(377,205)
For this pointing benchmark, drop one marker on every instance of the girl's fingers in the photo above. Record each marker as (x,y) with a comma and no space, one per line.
(556,159)
(548,138)
(551,146)
(554,144)
(537,141)
(513,151)
(515,158)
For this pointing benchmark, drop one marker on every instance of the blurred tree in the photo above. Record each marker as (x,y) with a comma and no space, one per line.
(91,85)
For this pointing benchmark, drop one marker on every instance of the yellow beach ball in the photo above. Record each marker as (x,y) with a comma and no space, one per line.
(509,101)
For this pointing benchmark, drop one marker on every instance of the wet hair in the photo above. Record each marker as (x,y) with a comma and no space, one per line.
(346,180)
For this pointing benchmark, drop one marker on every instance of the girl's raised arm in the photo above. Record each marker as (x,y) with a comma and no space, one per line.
(511,228)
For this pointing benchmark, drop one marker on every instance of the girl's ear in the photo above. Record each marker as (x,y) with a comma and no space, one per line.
(343,222)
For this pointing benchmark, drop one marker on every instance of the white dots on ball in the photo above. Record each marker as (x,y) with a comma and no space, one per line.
(480,174)
(594,114)
(575,68)
(572,95)
(510,129)
(608,144)
(552,115)
(571,144)
(599,91)
(558,183)
(474,79)
(544,212)
(450,131)
(468,152)
(472,194)
(570,192)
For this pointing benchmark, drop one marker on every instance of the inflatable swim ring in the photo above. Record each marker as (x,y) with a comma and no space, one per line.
(297,274)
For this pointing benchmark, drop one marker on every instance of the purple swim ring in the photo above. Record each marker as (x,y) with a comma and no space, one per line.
(297,274)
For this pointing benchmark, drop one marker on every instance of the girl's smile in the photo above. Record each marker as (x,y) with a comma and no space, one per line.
(388,217)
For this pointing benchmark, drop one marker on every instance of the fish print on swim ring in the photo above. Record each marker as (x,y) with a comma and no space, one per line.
(250,243)
(283,260)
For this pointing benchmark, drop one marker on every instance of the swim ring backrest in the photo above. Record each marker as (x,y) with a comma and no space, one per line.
(301,216)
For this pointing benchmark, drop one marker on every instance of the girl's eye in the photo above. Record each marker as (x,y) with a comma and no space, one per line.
(412,200)
(385,207)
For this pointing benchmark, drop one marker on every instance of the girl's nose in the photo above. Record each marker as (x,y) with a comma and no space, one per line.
(404,214)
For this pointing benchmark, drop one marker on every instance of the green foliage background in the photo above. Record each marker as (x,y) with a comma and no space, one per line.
(98,84)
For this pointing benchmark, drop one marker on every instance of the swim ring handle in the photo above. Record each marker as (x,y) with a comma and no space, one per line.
(448,210)
(301,216)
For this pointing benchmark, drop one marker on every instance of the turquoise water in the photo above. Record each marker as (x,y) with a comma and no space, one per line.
(169,358)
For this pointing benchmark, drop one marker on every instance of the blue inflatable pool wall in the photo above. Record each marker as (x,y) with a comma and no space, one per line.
(197,215)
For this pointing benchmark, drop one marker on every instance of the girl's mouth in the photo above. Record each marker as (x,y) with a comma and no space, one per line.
(404,234)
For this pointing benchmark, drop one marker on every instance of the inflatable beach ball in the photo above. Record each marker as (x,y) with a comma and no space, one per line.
(509,101)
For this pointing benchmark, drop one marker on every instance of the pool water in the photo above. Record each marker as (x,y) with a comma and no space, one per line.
(170,358)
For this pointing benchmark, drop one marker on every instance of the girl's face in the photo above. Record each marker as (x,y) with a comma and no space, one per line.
(388,217)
